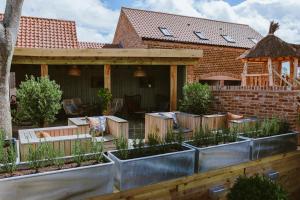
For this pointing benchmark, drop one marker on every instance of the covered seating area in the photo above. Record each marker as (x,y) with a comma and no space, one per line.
(272,54)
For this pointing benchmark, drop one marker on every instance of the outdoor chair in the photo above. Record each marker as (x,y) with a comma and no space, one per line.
(133,106)
(164,122)
(74,107)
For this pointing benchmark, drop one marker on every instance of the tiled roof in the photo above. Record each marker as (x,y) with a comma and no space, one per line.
(147,23)
(96,45)
(37,32)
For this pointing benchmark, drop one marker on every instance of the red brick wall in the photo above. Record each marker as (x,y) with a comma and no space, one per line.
(261,103)
(126,35)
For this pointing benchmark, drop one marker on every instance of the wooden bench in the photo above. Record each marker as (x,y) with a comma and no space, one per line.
(61,138)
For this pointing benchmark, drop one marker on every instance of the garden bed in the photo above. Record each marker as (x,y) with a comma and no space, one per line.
(150,165)
(69,181)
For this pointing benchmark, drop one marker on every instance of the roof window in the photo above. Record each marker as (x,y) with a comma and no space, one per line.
(228,38)
(200,35)
(165,31)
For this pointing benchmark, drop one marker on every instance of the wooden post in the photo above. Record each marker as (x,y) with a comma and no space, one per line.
(295,67)
(173,87)
(107,77)
(44,70)
(270,72)
(244,74)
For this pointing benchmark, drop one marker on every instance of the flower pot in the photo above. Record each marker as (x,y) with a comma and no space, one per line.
(74,183)
(137,172)
(223,155)
(272,145)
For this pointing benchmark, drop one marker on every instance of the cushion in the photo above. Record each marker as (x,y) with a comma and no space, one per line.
(97,123)
(173,116)
(42,134)
(231,116)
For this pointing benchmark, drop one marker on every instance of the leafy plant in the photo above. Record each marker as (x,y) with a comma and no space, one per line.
(105,97)
(9,159)
(39,100)
(78,153)
(122,145)
(97,148)
(174,137)
(153,139)
(196,98)
(37,156)
(2,143)
(256,188)
(58,159)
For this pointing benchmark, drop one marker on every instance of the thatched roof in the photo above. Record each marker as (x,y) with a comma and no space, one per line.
(272,46)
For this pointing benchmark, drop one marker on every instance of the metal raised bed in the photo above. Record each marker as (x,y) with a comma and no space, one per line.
(272,145)
(223,155)
(147,170)
(74,183)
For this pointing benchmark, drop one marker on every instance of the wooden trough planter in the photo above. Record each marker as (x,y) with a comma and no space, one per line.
(60,138)
(214,121)
(141,171)
(272,145)
(74,183)
(219,156)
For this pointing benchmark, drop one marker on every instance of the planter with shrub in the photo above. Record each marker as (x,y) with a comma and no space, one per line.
(48,174)
(150,164)
(256,187)
(270,137)
(217,149)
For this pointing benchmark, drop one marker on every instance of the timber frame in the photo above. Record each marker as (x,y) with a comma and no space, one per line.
(109,57)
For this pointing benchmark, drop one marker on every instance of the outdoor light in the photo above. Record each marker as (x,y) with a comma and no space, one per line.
(139,72)
(74,71)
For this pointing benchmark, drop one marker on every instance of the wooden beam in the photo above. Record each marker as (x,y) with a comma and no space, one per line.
(244,74)
(107,77)
(44,70)
(295,65)
(173,87)
(102,61)
(113,53)
(270,72)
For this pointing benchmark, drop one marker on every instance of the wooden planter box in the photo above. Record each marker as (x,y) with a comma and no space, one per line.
(137,172)
(219,156)
(75,183)
(61,138)
(214,122)
(272,145)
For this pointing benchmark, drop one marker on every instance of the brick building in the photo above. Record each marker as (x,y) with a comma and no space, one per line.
(221,42)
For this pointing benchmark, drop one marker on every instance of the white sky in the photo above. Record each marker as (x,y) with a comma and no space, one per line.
(96,21)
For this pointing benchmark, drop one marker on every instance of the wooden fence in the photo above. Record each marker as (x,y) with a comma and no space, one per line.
(197,186)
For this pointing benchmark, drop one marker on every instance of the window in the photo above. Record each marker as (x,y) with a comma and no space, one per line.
(200,35)
(255,41)
(228,38)
(165,31)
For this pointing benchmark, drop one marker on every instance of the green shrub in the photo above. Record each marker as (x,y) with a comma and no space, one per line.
(78,153)
(37,155)
(9,159)
(122,146)
(39,100)
(105,97)
(154,139)
(196,98)
(256,188)
(2,141)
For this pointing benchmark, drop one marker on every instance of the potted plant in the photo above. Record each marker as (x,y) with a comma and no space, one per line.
(256,187)
(50,175)
(39,100)
(144,165)
(270,137)
(218,149)
(105,99)
(197,99)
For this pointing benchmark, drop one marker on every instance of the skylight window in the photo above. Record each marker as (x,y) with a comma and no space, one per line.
(165,31)
(255,41)
(200,35)
(228,38)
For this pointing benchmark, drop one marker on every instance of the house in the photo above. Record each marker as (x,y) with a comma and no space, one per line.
(221,42)
(50,47)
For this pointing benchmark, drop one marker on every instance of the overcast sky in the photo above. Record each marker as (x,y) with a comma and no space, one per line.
(96,20)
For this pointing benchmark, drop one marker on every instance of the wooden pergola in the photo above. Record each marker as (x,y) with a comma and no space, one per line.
(270,53)
(109,57)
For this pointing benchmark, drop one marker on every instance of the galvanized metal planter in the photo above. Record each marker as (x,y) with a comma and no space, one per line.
(218,156)
(268,146)
(147,170)
(75,183)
